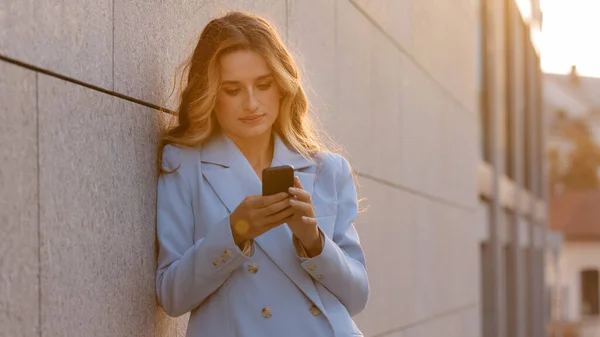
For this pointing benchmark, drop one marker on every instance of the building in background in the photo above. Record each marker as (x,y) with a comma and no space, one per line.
(572,97)
(516,297)
(455,235)
(572,103)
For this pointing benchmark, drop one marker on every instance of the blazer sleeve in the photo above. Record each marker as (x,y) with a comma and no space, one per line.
(341,266)
(188,272)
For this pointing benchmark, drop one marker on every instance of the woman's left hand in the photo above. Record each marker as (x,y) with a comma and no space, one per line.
(303,223)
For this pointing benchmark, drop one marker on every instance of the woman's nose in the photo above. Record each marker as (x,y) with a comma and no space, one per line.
(251,102)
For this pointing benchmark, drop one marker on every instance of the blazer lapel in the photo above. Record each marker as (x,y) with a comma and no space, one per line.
(224,167)
(233,178)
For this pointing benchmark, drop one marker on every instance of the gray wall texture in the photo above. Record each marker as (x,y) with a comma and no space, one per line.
(393,81)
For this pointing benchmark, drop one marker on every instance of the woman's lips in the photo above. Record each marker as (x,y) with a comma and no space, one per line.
(252,119)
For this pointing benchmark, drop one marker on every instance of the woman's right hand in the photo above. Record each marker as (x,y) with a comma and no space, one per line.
(257,214)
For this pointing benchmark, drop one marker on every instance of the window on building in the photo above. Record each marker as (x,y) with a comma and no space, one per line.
(526,131)
(510,59)
(511,291)
(529,317)
(589,292)
(540,129)
(482,77)
(487,309)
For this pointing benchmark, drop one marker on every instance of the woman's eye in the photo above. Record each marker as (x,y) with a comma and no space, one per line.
(265,86)
(232,92)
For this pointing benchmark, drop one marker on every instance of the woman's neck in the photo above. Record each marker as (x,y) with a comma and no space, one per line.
(257,150)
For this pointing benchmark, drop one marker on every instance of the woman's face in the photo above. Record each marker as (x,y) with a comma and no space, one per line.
(248,102)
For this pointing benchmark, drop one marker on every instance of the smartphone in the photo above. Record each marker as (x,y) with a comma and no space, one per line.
(277,179)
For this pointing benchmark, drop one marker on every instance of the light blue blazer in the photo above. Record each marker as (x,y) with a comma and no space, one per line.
(272,292)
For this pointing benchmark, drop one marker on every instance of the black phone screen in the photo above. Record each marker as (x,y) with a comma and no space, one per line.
(277,179)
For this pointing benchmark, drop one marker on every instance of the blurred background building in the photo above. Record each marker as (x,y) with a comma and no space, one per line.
(517,245)
(572,103)
(438,105)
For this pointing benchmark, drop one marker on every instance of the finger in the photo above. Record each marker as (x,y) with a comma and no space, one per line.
(273,208)
(297,183)
(300,194)
(304,207)
(286,217)
(264,201)
(280,216)
(307,220)
(271,199)
(273,225)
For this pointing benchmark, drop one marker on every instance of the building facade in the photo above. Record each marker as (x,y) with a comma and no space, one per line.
(573,106)
(435,102)
(516,245)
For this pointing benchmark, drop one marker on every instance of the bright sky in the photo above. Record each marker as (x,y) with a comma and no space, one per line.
(570,35)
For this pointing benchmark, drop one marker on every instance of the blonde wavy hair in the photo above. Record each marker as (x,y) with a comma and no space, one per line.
(195,122)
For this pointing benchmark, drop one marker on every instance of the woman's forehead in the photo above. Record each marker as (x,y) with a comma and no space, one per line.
(243,65)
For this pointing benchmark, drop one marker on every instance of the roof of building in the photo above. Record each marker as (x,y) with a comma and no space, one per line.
(584,89)
(576,214)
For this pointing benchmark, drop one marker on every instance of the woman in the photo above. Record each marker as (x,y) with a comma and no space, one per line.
(245,264)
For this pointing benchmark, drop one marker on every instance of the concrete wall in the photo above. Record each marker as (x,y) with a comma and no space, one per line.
(394,82)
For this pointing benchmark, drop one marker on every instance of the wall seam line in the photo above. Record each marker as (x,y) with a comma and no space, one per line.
(411,58)
(431,318)
(84,84)
(415,192)
(39,226)
(113,45)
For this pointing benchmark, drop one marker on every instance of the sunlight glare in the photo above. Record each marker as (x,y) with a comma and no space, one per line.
(569,36)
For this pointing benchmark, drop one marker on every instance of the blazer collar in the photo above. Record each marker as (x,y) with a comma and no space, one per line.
(221,150)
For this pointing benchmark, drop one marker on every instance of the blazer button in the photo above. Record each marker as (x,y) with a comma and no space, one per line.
(314,310)
(319,277)
(311,267)
(266,312)
(227,253)
(253,268)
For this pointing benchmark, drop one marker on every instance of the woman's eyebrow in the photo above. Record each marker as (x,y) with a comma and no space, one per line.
(263,77)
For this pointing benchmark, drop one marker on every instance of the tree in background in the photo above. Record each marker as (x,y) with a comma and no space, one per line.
(554,176)
(583,160)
